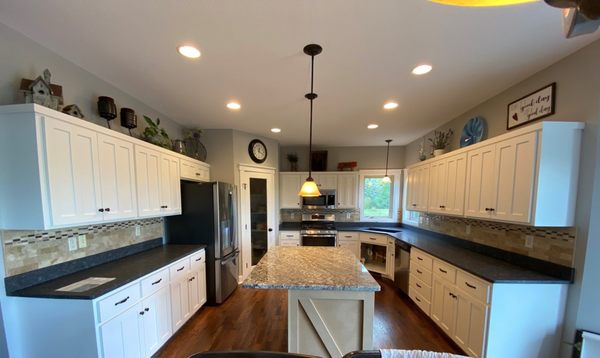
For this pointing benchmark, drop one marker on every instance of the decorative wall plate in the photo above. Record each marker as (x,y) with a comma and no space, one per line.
(474,131)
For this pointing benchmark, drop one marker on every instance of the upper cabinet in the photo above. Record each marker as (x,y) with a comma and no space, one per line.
(70,172)
(325,180)
(344,183)
(194,170)
(289,186)
(527,176)
(347,190)
(418,187)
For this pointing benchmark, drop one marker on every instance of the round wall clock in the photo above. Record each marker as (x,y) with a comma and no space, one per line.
(257,150)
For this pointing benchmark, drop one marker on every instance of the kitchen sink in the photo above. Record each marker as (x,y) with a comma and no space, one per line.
(390,230)
(86,284)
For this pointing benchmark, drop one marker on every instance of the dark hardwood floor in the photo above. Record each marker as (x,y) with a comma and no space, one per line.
(257,320)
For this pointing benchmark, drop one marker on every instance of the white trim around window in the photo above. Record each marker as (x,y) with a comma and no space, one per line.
(396,176)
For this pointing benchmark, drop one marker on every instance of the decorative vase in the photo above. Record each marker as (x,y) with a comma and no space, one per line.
(422,157)
(128,119)
(179,146)
(438,152)
(107,109)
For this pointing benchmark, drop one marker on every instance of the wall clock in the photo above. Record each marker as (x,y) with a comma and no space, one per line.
(257,150)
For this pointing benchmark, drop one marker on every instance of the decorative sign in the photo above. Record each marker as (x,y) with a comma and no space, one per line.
(536,105)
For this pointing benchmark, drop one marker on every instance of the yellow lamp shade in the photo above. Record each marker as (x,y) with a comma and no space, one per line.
(309,188)
(481,2)
(386,179)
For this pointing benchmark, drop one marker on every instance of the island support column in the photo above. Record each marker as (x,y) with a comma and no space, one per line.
(329,323)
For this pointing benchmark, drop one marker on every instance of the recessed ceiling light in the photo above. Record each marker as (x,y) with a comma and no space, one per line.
(372,126)
(390,105)
(421,70)
(234,105)
(276,130)
(188,51)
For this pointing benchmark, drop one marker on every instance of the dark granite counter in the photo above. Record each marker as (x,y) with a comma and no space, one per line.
(124,270)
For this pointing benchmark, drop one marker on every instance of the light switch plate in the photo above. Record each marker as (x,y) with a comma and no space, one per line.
(138,230)
(82,241)
(529,241)
(72,243)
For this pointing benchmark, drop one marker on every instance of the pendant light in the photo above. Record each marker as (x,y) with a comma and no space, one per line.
(481,2)
(309,188)
(386,178)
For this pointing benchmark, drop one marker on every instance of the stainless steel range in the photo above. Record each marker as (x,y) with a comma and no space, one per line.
(318,230)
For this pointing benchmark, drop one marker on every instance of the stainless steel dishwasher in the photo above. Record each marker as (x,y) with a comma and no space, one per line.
(401,265)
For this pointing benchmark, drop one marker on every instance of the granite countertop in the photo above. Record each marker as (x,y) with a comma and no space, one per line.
(124,270)
(484,266)
(311,268)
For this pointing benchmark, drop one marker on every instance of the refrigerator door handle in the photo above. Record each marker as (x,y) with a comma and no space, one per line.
(230,258)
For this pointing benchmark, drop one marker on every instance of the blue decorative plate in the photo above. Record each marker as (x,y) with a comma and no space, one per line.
(474,131)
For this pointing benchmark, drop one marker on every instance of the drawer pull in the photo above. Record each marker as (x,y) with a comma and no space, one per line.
(192,279)
(419,258)
(156,282)
(419,271)
(198,174)
(470,286)
(348,237)
(122,301)
(199,259)
(419,286)
(372,238)
(181,268)
(289,235)
(452,295)
(417,298)
(442,270)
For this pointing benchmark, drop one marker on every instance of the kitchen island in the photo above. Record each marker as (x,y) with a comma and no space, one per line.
(331,297)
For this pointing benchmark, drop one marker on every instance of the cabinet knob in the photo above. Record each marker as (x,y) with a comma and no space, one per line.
(107,209)
(141,313)
(101,210)
(146,309)
(270,229)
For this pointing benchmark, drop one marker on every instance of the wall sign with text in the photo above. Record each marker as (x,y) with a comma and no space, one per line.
(536,105)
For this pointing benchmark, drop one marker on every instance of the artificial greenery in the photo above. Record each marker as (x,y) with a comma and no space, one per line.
(441,139)
(156,135)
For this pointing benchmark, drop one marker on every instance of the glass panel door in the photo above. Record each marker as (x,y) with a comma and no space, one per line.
(259,238)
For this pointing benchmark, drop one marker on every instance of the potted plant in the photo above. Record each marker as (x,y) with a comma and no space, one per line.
(156,135)
(440,140)
(293,159)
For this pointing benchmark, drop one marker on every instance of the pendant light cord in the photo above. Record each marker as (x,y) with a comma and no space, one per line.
(312,79)
(387,157)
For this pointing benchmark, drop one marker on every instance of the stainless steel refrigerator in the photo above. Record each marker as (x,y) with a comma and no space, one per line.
(209,217)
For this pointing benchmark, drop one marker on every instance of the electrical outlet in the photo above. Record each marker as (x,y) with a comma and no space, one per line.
(138,230)
(348,216)
(529,241)
(468,229)
(82,241)
(72,243)
(293,215)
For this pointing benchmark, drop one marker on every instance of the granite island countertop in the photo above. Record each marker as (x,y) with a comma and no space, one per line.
(124,271)
(311,268)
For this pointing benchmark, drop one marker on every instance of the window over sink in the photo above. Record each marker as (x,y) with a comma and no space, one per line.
(379,201)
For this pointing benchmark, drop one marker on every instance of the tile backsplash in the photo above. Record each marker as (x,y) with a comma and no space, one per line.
(552,244)
(343,215)
(30,250)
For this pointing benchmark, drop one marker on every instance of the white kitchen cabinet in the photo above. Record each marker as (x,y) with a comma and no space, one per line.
(480,182)
(180,295)
(447,185)
(289,238)
(148,172)
(377,253)
(156,321)
(289,186)
(349,240)
(194,170)
(121,337)
(170,192)
(347,191)
(194,291)
(117,168)
(469,329)
(418,188)
(325,181)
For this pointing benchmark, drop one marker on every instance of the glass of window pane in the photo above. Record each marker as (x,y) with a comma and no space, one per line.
(377,198)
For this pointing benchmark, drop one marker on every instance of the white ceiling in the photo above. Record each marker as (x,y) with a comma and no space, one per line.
(252,52)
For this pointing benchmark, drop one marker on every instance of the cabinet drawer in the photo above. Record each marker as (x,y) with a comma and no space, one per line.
(197,260)
(421,258)
(374,239)
(118,302)
(420,272)
(289,242)
(473,286)
(179,270)
(444,270)
(422,288)
(419,300)
(289,235)
(155,282)
(348,236)
(193,171)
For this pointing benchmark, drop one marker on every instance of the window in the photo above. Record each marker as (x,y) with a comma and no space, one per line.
(379,200)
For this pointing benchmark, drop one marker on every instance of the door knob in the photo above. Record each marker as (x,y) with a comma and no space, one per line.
(270,229)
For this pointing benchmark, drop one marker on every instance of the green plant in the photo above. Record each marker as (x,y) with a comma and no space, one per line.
(441,139)
(156,135)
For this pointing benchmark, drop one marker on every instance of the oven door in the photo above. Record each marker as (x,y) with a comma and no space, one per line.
(318,240)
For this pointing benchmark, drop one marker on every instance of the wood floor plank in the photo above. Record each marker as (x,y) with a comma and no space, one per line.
(253,319)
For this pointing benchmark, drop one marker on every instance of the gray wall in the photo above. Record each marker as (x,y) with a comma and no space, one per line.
(367,157)
(577,99)
(219,149)
(23,58)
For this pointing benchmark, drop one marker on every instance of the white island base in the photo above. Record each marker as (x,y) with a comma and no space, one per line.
(330,323)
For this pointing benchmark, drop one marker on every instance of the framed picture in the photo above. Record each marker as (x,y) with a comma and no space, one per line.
(319,160)
(536,105)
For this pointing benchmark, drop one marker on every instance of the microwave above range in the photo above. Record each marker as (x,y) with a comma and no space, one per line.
(325,201)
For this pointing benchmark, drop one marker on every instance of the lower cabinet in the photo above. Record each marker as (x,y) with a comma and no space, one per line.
(156,321)
(486,319)
(377,253)
(349,240)
(289,238)
(121,335)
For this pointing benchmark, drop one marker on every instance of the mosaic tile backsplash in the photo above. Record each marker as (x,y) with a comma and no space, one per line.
(343,215)
(30,250)
(552,244)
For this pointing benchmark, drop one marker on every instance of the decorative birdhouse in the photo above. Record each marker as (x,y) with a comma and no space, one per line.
(42,91)
(73,110)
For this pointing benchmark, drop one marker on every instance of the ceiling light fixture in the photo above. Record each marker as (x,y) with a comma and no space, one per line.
(421,70)
(386,178)
(390,105)
(373,126)
(276,130)
(481,2)
(309,188)
(188,51)
(234,106)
